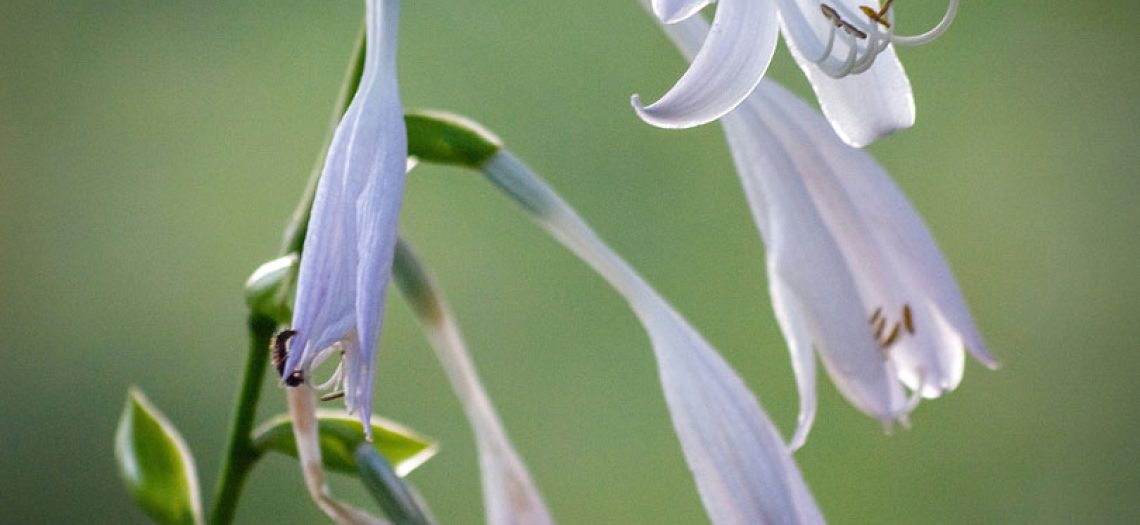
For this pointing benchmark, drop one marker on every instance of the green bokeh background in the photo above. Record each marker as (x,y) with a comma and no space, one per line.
(151,151)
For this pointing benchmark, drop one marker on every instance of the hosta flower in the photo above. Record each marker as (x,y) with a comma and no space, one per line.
(853,271)
(352,233)
(843,47)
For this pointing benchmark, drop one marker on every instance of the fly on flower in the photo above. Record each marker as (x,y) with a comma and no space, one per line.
(843,46)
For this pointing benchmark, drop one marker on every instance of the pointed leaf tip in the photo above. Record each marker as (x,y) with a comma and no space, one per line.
(341,433)
(155,464)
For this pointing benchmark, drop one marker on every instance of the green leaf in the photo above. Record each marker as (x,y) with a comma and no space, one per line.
(266,290)
(340,434)
(155,464)
(394,496)
(445,138)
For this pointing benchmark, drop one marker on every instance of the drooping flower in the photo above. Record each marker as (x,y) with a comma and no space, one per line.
(853,271)
(351,235)
(744,472)
(843,47)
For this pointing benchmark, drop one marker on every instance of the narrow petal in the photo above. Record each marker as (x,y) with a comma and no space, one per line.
(726,69)
(378,153)
(743,470)
(509,494)
(861,107)
(324,308)
(672,11)
(789,313)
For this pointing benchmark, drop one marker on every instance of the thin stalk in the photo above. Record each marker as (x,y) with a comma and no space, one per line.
(241,455)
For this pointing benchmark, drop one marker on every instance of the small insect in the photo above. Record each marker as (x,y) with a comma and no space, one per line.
(877,16)
(280,353)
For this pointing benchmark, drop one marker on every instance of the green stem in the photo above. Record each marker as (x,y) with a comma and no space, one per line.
(240,454)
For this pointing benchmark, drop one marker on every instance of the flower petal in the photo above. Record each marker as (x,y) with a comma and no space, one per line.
(672,11)
(324,308)
(726,69)
(743,470)
(789,313)
(861,107)
(884,237)
(377,149)
(805,261)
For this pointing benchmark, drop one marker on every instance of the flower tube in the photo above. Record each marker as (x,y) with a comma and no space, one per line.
(351,235)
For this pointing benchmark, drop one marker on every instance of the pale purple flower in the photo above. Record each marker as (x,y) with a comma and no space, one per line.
(853,271)
(844,50)
(352,233)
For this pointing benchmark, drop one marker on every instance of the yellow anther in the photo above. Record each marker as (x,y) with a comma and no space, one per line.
(878,16)
(879,324)
(894,336)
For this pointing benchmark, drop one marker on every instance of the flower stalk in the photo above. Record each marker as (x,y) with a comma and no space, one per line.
(241,454)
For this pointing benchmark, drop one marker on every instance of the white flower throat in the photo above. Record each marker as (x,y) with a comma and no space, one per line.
(876,32)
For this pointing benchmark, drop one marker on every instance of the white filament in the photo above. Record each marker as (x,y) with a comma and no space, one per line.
(860,59)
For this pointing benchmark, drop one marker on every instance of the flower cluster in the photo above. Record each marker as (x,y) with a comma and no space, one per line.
(853,272)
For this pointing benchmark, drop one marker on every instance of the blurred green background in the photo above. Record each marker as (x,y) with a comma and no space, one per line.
(151,151)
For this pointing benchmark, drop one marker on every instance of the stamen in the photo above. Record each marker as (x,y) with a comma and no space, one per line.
(879,323)
(335,379)
(831,14)
(891,338)
(852,30)
(333,395)
(858,59)
(908,321)
(934,32)
(877,16)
